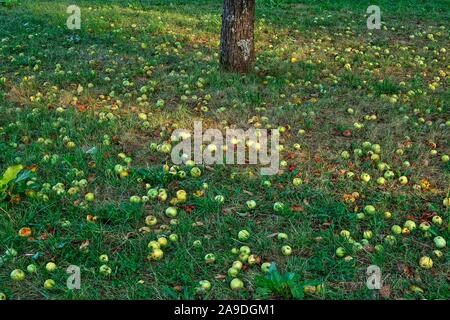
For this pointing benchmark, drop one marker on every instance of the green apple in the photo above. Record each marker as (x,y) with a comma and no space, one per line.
(3,296)
(411,225)
(403,180)
(103,258)
(278,206)
(381,181)
(32,268)
(89,197)
(210,258)
(390,239)
(437,220)
(282,236)
(105,270)
(340,252)
(197,243)
(369,209)
(135,199)
(196,172)
(345,234)
(151,220)
(389,174)
(345,155)
(236,284)
(297,182)
(245,250)
(51,266)
(366,145)
(265,267)
(368,234)
(439,242)
(243,257)
(387,215)
(438,253)
(360,216)
(243,235)
(17,275)
(173,237)
(49,284)
(379,248)
(365,177)
(153,245)
(424,226)
(205,285)
(237,265)
(396,229)
(171,212)
(233,272)
(286,250)
(251,204)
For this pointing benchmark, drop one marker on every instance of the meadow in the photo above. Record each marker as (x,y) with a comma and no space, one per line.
(86,118)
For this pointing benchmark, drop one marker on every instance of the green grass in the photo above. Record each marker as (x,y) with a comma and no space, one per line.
(391,70)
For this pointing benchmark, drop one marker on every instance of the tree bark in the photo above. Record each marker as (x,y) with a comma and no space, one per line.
(237,51)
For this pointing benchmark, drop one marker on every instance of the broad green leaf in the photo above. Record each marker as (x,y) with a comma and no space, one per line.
(9,175)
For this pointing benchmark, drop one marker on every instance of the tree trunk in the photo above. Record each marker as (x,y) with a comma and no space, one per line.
(237,51)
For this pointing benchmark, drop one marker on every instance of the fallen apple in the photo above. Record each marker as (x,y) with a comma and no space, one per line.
(368,234)
(437,220)
(162,241)
(171,212)
(245,250)
(237,265)
(210,258)
(282,236)
(425,262)
(403,180)
(278,206)
(51,266)
(32,268)
(369,209)
(157,254)
(205,285)
(411,225)
(251,204)
(396,229)
(233,272)
(17,275)
(243,235)
(340,252)
(49,284)
(236,284)
(89,197)
(286,250)
(105,270)
(151,220)
(439,242)
(424,226)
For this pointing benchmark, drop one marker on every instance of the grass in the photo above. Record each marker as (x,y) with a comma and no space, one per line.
(88,86)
